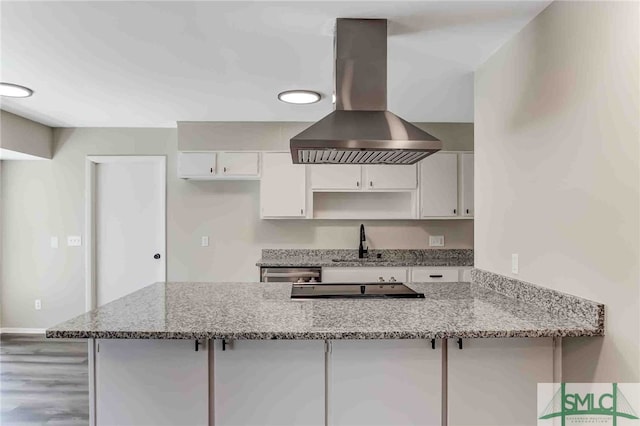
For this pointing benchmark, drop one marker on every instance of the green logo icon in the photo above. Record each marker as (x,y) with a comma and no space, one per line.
(565,404)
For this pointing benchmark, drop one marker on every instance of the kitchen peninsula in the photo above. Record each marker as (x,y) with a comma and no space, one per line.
(294,360)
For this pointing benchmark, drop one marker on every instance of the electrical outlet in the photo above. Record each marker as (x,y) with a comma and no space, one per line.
(436,240)
(54,242)
(204,241)
(38,304)
(74,241)
(514,263)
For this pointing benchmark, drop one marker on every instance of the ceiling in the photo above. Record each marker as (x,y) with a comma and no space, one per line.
(150,64)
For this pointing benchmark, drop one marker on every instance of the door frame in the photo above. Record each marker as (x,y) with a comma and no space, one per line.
(91,163)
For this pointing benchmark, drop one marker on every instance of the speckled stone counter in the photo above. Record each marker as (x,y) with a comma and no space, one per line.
(349,258)
(265,311)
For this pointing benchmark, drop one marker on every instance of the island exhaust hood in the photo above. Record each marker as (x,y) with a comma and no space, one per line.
(361,130)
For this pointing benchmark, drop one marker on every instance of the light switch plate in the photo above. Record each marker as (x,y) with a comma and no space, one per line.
(204,241)
(54,242)
(38,304)
(74,240)
(436,240)
(514,263)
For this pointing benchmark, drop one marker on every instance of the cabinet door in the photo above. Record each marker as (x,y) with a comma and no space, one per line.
(365,274)
(151,382)
(336,177)
(238,163)
(493,382)
(390,177)
(432,275)
(439,185)
(466,187)
(385,382)
(196,164)
(265,382)
(282,186)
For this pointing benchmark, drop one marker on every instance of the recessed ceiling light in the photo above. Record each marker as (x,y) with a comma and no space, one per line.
(14,91)
(299,96)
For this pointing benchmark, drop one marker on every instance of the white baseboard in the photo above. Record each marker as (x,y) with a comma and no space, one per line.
(9,330)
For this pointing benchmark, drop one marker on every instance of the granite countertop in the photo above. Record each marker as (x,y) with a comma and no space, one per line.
(177,310)
(349,258)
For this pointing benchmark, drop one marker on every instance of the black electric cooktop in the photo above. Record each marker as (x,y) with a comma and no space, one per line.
(354,290)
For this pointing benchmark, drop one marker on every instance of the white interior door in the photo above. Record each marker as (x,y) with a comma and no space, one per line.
(129,225)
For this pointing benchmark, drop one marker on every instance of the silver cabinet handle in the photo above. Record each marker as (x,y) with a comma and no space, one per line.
(224,169)
(392,279)
(301,211)
(371,183)
(358,184)
(380,279)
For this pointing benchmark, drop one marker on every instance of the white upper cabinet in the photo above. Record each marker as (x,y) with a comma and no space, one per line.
(335,177)
(239,164)
(218,165)
(282,187)
(368,178)
(196,164)
(439,185)
(390,177)
(466,186)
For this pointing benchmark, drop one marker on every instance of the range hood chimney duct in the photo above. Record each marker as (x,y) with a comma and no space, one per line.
(361,130)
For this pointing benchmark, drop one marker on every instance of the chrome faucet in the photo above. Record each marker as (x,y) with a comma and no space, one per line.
(363,249)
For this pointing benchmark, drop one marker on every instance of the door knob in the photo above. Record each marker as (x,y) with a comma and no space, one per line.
(156,256)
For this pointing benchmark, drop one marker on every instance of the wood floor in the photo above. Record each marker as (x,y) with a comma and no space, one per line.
(43,381)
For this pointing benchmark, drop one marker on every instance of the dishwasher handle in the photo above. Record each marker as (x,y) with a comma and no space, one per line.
(302,274)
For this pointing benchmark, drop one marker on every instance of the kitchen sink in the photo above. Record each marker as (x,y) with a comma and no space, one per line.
(353,290)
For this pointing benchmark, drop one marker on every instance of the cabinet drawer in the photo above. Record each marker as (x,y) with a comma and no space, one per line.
(361,275)
(428,275)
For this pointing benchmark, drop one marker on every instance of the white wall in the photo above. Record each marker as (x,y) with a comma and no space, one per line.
(42,199)
(557,170)
(274,136)
(24,136)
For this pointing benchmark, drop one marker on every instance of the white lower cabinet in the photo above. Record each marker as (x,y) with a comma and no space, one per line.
(385,382)
(151,382)
(365,274)
(493,382)
(269,382)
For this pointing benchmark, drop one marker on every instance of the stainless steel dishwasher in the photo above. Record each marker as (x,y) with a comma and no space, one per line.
(310,274)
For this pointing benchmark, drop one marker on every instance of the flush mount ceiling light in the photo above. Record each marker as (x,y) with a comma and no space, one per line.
(299,97)
(14,90)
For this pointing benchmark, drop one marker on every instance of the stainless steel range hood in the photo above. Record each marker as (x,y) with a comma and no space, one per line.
(361,130)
